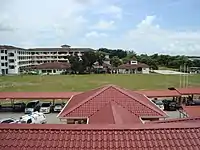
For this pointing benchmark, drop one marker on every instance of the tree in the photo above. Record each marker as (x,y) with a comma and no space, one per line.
(100,56)
(129,57)
(119,52)
(115,61)
(89,58)
(76,64)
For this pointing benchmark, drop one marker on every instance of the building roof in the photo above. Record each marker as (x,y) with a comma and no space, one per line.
(9,47)
(52,65)
(112,137)
(133,66)
(67,49)
(37,95)
(192,111)
(159,93)
(177,120)
(115,114)
(88,104)
(188,91)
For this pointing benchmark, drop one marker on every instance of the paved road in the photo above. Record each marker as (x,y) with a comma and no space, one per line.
(51,118)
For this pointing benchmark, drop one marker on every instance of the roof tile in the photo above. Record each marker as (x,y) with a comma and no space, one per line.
(90,103)
(145,136)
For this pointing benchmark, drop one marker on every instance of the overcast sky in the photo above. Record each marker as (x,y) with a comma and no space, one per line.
(145,26)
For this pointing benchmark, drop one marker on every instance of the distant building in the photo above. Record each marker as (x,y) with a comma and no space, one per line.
(133,67)
(13,60)
(192,58)
(50,68)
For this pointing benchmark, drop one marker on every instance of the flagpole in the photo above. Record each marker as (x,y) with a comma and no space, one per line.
(187,76)
(180,80)
(184,75)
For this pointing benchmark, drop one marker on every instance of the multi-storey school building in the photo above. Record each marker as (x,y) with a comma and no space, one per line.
(13,60)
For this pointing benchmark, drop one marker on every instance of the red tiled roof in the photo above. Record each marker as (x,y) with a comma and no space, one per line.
(133,66)
(113,113)
(37,95)
(159,93)
(177,120)
(52,65)
(188,91)
(95,100)
(98,137)
(192,111)
(145,100)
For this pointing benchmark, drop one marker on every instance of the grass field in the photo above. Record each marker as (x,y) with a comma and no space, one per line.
(86,82)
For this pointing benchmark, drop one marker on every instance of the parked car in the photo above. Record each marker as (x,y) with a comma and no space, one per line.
(19,107)
(159,103)
(8,120)
(58,107)
(46,107)
(193,103)
(32,106)
(33,118)
(6,108)
(170,105)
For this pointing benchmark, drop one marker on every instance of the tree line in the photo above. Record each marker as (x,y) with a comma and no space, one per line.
(154,61)
(117,57)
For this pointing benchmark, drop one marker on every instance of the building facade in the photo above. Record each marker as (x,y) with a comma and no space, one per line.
(133,67)
(13,60)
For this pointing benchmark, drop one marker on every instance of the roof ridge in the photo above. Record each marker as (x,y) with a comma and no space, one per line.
(113,110)
(87,99)
(125,108)
(117,104)
(99,109)
(100,126)
(131,96)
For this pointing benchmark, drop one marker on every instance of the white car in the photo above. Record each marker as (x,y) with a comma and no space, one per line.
(159,103)
(8,121)
(58,107)
(34,118)
(46,107)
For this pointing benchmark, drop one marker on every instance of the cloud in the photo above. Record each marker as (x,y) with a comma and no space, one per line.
(61,20)
(95,34)
(73,22)
(5,24)
(104,25)
(150,38)
(113,11)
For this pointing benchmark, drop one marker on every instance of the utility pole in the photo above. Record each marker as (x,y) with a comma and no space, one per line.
(184,75)
(180,79)
(187,79)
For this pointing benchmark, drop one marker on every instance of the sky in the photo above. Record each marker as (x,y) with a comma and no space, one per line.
(144,26)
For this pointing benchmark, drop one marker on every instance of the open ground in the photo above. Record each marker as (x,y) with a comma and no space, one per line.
(56,83)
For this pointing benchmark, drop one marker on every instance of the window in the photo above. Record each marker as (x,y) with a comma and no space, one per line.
(2,51)
(6,64)
(2,57)
(11,61)
(2,64)
(11,54)
(29,121)
(11,67)
(77,121)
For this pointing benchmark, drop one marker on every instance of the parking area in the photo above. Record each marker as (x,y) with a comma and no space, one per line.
(52,117)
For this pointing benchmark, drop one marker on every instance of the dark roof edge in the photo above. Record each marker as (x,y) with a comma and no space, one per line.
(138,126)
